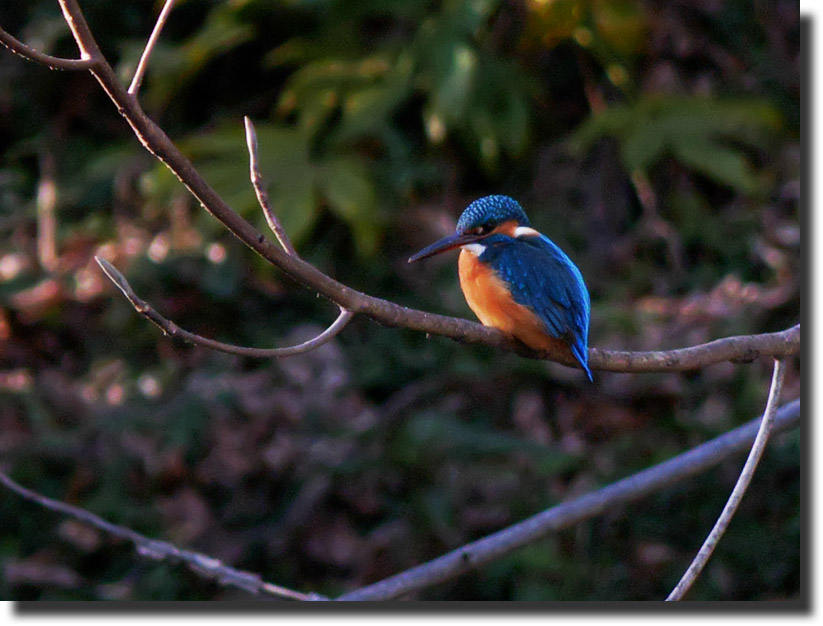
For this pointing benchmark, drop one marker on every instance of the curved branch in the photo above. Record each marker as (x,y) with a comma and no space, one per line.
(496,545)
(163,550)
(742,348)
(759,445)
(173,330)
(56,63)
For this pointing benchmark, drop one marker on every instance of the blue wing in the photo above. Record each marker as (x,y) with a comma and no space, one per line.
(542,277)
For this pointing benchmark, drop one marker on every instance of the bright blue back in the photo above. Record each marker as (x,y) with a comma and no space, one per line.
(541,276)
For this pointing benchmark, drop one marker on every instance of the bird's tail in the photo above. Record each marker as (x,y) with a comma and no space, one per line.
(582,355)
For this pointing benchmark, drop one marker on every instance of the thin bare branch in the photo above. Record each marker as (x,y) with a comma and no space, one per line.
(259,190)
(739,349)
(82,33)
(743,348)
(755,454)
(494,546)
(56,63)
(203,565)
(144,58)
(173,330)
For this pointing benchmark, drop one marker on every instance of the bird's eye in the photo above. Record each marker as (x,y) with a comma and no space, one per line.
(484,229)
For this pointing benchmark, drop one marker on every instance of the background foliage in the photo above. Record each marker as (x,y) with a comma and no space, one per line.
(658,142)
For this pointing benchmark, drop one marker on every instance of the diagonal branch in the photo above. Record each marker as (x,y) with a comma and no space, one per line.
(496,545)
(82,34)
(260,192)
(759,445)
(173,330)
(203,565)
(156,141)
(144,58)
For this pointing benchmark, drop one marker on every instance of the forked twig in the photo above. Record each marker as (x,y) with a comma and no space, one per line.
(156,141)
(350,301)
(260,192)
(140,71)
(759,445)
(79,28)
(173,330)
(163,550)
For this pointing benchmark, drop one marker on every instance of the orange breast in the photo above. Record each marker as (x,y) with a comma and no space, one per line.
(493,305)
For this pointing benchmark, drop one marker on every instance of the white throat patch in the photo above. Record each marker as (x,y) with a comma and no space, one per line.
(474,248)
(525,231)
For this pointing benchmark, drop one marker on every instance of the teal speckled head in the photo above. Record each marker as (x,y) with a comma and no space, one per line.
(477,222)
(491,211)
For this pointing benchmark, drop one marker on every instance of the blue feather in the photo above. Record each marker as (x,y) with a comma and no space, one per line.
(541,276)
(494,209)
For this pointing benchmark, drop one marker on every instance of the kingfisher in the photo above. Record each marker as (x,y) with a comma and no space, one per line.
(517,279)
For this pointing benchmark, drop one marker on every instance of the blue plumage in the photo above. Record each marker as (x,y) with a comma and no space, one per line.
(491,210)
(529,273)
(541,276)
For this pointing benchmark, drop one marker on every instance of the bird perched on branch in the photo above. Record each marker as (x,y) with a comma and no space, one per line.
(518,280)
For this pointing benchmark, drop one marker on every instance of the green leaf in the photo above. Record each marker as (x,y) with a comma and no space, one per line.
(456,69)
(368,111)
(349,190)
(698,132)
(722,164)
(284,159)
(622,24)
(644,145)
(318,88)
(295,205)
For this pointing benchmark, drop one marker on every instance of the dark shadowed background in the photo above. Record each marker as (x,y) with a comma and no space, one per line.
(657,142)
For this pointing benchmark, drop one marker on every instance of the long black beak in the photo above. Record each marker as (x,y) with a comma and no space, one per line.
(445,244)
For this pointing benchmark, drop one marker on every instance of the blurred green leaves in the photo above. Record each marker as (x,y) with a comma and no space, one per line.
(470,90)
(174,65)
(621,23)
(334,143)
(302,185)
(613,31)
(706,135)
(349,190)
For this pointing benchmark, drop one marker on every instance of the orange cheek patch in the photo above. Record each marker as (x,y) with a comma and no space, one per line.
(506,228)
(490,300)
